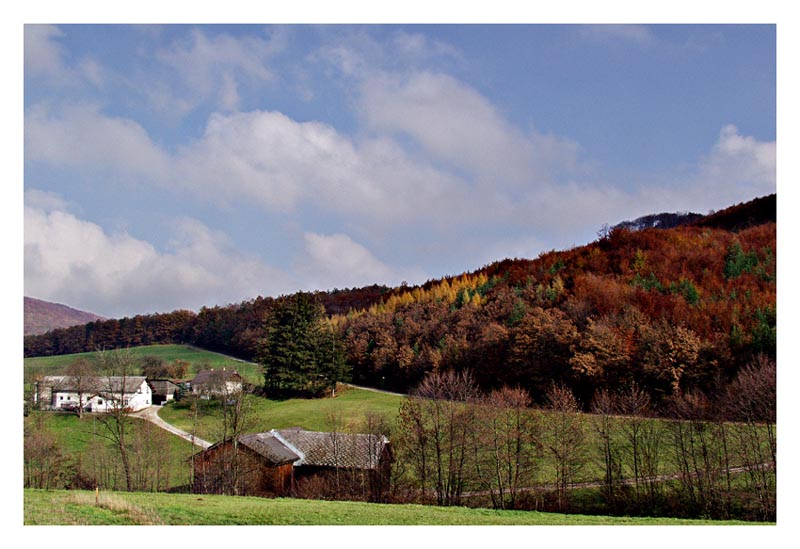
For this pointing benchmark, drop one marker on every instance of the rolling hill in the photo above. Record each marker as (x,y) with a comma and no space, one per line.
(43,316)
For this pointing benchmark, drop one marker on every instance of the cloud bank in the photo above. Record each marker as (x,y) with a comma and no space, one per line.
(428,170)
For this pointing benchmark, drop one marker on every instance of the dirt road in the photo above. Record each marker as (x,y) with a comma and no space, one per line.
(151,414)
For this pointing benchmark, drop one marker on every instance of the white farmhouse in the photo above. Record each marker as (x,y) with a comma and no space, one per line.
(93,394)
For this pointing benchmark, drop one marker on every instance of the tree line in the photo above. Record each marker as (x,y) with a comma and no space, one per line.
(457,445)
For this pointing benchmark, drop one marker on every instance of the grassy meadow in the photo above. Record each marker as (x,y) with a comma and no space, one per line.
(347,412)
(117,508)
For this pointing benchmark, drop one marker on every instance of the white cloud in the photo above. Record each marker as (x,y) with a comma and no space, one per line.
(418,46)
(46,58)
(44,200)
(277,162)
(741,162)
(80,136)
(359,54)
(378,186)
(737,169)
(260,157)
(211,67)
(638,34)
(336,261)
(73,261)
(43,54)
(457,125)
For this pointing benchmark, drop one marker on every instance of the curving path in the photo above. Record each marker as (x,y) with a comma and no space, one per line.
(371,389)
(151,414)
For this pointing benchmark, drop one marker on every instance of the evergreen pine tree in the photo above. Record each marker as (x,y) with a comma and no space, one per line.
(301,354)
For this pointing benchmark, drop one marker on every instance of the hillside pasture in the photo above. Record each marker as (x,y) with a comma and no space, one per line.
(348,411)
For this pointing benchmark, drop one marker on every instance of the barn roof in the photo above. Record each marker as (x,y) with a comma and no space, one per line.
(314,448)
(352,451)
(215,376)
(163,386)
(265,444)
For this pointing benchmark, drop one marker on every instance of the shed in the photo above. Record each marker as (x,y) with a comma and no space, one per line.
(295,461)
(163,390)
(216,382)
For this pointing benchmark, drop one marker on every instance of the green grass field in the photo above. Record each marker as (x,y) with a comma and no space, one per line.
(198,358)
(116,508)
(348,409)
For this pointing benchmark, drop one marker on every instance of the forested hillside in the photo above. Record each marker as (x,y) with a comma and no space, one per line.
(43,316)
(669,308)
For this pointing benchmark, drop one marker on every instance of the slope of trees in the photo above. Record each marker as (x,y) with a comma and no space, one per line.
(672,310)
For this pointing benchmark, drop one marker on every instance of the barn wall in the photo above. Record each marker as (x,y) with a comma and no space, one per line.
(350,484)
(215,474)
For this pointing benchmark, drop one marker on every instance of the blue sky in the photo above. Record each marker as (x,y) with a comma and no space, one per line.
(179,166)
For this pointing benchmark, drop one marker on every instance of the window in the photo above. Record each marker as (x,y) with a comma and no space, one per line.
(99,401)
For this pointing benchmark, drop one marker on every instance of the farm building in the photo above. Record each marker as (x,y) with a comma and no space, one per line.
(296,462)
(164,390)
(93,394)
(209,383)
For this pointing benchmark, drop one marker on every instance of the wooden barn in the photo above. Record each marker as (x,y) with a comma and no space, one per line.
(164,390)
(296,462)
(256,465)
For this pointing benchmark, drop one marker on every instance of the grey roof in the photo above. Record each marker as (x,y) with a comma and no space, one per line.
(316,449)
(334,449)
(162,386)
(265,444)
(215,376)
(112,384)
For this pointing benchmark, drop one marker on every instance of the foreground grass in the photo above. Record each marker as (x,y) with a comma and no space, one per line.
(64,507)
(199,359)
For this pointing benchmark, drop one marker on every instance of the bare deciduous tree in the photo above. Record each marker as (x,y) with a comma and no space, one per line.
(640,448)
(378,426)
(564,435)
(83,381)
(751,400)
(45,465)
(505,446)
(117,367)
(437,421)
(604,406)
(236,415)
(701,452)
